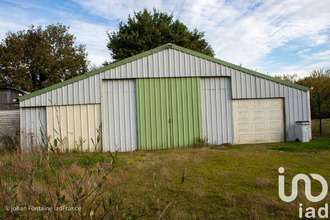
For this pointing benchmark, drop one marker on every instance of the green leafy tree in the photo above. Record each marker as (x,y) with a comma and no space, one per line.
(147,30)
(35,58)
(319,80)
(288,77)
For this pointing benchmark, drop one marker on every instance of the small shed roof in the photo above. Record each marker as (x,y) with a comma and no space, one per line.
(18,90)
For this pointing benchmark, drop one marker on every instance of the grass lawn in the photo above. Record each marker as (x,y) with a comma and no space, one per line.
(193,183)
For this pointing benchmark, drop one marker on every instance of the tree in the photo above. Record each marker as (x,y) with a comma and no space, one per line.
(287,77)
(35,58)
(147,30)
(319,80)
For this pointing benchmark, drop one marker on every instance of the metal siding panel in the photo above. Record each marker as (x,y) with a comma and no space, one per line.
(267,88)
(275,90)
(75,93)
(59,96)
(65,95)
(263,90)
(271,90)
(216,69)
(86,91)
(151,65)
(73,124)
(291,113)
(70,94)
(43,99)
(248,90)
(182,64)
(253,87)
(131,68)
(32,124)
(216,110)
(244,85)
(258,88)
(119,109)
(193,65)
(38,100)
(304,106)
(163,64)
(238,84)
(97,89)
(33,101)
(281,90)
(92,90)
(225,71)
(64,124)
(299,105)
(160,62)
(54,97)
(145,70)
(106,74)
(295,105)
(176,63)
(123,70)
(119,70)
(84,127)
(212,68)
(188,69)
(81,95)
(203,68)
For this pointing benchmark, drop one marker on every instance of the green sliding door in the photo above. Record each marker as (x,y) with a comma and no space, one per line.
(168,112)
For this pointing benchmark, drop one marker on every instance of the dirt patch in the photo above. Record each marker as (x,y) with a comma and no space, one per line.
(223,146)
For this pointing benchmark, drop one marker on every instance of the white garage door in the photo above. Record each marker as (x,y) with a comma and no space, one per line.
(258,121)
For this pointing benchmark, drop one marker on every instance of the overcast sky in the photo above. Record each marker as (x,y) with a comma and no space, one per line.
(271,37)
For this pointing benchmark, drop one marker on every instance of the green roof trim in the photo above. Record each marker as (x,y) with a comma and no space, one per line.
(150,52)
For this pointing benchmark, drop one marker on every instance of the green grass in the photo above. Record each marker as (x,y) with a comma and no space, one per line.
(203,183)
(316,127)
(319,144)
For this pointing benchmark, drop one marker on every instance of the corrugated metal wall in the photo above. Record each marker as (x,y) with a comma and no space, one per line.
(75,125)
(217,110)
(119,115)
(173,63)
(168,112)
(33,126)
(9,123)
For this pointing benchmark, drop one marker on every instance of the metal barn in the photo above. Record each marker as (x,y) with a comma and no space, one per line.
(167,97)
(9,111)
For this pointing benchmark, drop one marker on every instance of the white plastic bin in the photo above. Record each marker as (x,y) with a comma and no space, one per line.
(302,131)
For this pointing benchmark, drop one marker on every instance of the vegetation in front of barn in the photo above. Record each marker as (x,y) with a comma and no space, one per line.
(202,182)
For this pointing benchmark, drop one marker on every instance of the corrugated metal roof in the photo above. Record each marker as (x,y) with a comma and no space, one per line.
(144,55)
